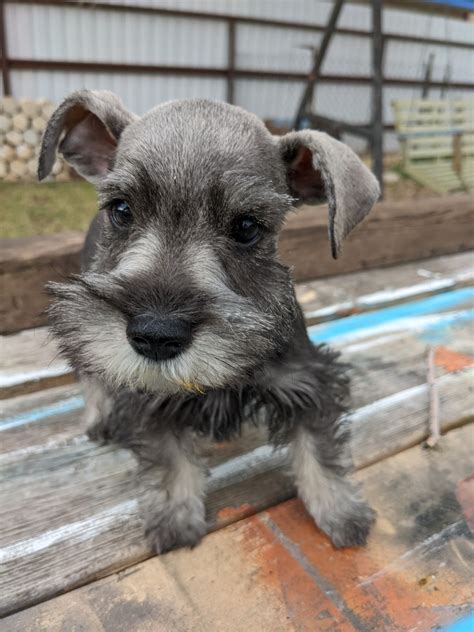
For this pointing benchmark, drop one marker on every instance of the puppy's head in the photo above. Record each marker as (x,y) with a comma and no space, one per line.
(185,289)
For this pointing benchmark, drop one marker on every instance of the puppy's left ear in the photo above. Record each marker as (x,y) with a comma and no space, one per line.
(86,129)
(319,169)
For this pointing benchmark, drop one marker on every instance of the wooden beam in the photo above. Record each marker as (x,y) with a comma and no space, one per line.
(395,232)
(26,265)
(314,75)
(377,93)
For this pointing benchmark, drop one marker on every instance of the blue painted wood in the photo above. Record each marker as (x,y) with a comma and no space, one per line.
(463,625)
(343,327)
(38,414)
(334,332)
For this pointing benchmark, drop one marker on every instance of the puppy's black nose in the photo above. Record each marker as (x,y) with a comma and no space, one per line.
(157,337)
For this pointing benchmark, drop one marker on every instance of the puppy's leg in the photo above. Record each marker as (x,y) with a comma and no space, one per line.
(175,481)
(97,408)
(319,464)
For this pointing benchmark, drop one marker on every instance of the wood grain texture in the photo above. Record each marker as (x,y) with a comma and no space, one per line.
(30,362)
(276,571)
(26,265)
(393,233)
(72,508)
(30,359)
(356,292)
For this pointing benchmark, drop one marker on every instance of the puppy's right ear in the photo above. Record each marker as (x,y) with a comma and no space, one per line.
(92,122)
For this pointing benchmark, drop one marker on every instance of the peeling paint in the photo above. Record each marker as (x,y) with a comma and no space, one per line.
(451,360)
(227,515)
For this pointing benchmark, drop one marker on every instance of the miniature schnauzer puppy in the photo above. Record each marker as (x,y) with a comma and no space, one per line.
(183,322)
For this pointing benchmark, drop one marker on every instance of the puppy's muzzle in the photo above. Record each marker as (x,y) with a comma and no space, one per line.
(159,338)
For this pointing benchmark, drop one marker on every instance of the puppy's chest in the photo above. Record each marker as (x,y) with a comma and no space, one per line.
(221,414)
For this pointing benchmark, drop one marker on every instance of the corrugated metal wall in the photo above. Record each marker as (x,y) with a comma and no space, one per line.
(77,33)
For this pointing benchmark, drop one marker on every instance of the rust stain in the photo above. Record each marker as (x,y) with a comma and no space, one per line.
(308,608)
(397,598)
(451,360)
(349,311)
(341,568)
(227,515)
(465,496)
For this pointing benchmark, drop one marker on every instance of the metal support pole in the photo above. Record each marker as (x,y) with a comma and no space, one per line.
(377,92)
(446,80)
(4,53)
(231,61)
(427,78)
(318,62)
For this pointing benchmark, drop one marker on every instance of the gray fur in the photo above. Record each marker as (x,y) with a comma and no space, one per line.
(349,188)
(188,169)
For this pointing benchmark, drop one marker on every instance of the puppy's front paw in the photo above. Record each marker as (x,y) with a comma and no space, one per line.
(351,526)
(176,525)
(100,432)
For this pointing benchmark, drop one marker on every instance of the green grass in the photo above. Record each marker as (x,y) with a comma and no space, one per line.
(42,209)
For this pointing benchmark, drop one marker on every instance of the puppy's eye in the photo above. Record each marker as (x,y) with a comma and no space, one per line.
(246,230)
(120,214)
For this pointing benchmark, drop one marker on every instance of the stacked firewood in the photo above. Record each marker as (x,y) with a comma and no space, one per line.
(22,123)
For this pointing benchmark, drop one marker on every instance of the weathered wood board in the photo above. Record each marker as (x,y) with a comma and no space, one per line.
(328,299)
(26,265)
(30,360)
(275,571)
(72,508)
(394,232)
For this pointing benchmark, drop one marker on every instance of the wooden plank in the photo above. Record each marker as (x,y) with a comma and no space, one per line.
(72,509)
(327,299)
(434,152)
(415,573)
(426,317)
(437,103)
(391,234)
(423,174)
(426,140)
(395,232)
(40,420)
(276,571)
(31,361)
(46,420)
(428,108)
(431,133)
(26,265)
